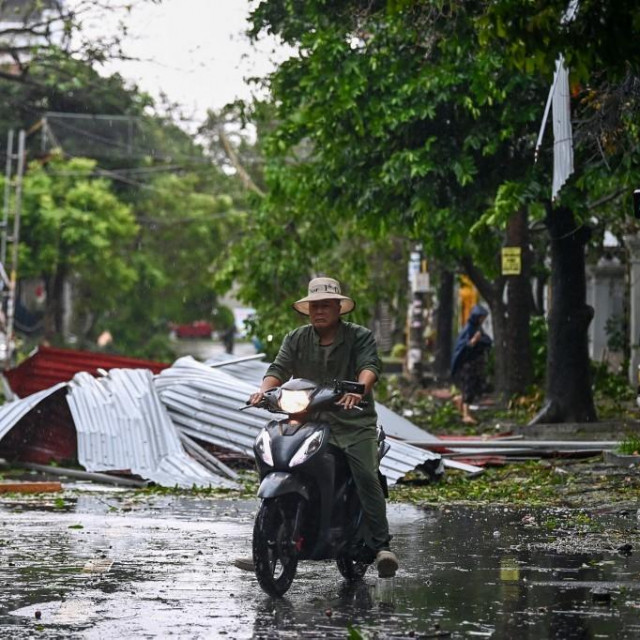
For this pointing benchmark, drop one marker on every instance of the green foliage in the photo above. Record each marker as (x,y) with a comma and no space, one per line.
(282,249)
(223,318)
(614,385)
(61,83)
(76,222)
(441,417)
(406,131)
(528,484)
(248,481)
(421,118)
(600,35)
(630,445)
(74,226)
(184,227)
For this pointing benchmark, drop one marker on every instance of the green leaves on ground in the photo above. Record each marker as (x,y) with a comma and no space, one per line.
(571,483)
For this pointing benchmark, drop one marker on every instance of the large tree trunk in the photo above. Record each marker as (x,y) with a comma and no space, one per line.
(510,320)
(517,339)
(568,394)
(444,325)
(500,351)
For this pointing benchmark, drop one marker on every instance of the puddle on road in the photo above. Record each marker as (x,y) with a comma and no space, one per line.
(114,566)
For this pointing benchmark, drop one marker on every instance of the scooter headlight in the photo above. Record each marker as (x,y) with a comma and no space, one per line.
(294,401)
(263,447)
(307,449)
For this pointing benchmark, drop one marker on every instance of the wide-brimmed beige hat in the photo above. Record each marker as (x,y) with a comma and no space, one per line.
(324,289)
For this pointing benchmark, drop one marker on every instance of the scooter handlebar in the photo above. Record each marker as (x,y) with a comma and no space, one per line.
(345,386)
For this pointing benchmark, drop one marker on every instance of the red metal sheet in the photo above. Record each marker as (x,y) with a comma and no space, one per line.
(49,365)
(47,433)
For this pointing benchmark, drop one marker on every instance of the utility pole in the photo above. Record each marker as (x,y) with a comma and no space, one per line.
(7,197)
(419,287)
(10,283)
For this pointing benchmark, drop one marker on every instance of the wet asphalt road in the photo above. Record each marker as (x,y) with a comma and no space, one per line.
(119,565)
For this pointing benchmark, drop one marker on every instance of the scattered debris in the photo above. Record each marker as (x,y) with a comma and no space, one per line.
(126,421)
(508,447)
(30,487)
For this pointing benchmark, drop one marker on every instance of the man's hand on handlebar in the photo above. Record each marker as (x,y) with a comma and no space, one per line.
(350,400)
(255,398)
(268,383)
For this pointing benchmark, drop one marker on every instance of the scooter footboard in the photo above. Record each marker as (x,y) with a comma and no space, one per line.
(279,483)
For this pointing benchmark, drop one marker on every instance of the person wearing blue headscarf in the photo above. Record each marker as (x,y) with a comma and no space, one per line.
(468,361)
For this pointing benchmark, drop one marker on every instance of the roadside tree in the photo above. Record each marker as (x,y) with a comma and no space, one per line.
(397,121)
(75,227)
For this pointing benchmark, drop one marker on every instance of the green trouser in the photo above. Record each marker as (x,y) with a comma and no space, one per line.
(363,462)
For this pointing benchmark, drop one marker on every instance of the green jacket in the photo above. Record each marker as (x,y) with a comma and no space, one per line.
(353,350)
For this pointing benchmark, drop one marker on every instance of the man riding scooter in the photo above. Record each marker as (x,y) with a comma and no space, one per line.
(331,349)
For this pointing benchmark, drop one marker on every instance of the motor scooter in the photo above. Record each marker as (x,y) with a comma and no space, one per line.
(309,507)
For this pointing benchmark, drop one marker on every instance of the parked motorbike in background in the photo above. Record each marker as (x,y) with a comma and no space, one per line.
(309,508)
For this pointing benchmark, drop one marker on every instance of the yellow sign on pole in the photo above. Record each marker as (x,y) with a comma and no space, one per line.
(511,261)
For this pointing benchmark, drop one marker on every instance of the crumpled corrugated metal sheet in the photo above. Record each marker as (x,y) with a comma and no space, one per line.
(12,412)
(122,425)
(127,420)
(204,402)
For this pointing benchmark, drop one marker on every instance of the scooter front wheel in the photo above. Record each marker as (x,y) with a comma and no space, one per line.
(275,555)
(351,569)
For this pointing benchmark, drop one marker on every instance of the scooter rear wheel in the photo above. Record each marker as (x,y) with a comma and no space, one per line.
(350,569)
(275,555)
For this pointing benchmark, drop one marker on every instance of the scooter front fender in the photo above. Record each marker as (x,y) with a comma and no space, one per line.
(279,483)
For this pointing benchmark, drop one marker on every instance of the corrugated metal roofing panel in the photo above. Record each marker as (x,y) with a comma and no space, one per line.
(399,427)
(250,370)
(562,132)
(122,425)
(12,412)
(403,458)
